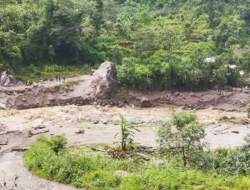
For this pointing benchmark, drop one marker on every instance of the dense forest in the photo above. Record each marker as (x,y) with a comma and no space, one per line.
(154,43)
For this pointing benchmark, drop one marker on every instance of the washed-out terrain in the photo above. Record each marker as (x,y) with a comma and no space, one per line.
(96,124)
(86,111)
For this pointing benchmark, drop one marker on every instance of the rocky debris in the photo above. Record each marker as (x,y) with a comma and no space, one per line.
(80,131)
(6,79)
(145,102)
(37,132)
(3,142)
(220,129)
(3,127)
(105,122)
(243,122)
(39,127)
(17,132)
(2,106)
(8,176)
(236,132)
(104,82)
(96,122)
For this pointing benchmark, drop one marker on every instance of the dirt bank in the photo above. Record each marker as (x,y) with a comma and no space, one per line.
(77,92)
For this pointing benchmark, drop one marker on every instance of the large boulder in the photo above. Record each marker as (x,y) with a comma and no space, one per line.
(104,81)
(6,79)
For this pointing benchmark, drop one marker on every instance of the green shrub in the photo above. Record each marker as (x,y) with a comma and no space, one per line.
(95,171)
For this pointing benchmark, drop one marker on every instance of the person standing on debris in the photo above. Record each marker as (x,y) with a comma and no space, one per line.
(59,78)
(64,78)
(56,78)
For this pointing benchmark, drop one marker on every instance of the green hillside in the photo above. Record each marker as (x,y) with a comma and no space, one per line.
(155,44)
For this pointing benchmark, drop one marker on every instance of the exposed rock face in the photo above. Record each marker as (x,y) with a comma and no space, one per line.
(104,81)
(6,79)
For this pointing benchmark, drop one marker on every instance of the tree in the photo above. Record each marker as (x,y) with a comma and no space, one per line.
(182,135)
(97,16)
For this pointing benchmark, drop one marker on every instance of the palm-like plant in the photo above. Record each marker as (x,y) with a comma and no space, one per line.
(127,133)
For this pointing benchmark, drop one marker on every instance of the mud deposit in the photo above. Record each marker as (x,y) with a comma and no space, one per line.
(18,128)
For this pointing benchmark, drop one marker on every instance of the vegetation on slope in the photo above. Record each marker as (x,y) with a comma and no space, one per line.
(221,169)
(84,168)
(155,44)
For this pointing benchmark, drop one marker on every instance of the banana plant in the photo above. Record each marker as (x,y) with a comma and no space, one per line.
(128,130)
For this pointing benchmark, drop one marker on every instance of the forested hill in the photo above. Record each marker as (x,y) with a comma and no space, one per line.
(154,43)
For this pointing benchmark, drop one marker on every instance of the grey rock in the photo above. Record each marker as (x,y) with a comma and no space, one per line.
(6,79)
(95,122)
(2,106)
(104,82)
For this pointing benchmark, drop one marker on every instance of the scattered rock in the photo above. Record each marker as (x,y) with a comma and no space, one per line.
(6,79)
(176,94)
(8,174)
(145,102)
(36,132)
(2,106)
(3,127)
(3,142)
(246,91)
(37,122)
(236,132)
(80,131)
(39,127)
(211,108)
(95,122)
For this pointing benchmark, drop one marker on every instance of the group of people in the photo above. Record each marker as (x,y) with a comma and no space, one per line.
(58,78)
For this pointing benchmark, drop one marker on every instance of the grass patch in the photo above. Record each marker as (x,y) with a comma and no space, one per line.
(35,73)
(82,167)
